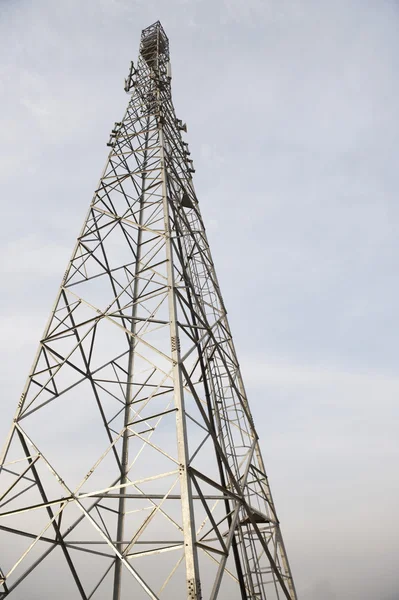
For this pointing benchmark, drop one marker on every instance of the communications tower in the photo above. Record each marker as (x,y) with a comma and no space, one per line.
(132,469)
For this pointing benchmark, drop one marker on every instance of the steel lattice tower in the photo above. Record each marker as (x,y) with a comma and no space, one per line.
(132,468)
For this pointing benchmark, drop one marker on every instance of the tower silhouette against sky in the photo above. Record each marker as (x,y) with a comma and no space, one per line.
(133,468)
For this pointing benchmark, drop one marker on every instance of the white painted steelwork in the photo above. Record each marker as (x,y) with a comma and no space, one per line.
(133,459)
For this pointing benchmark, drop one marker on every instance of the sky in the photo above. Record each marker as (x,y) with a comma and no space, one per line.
(291,107)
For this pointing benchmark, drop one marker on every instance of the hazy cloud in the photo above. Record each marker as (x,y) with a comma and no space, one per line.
(293,124)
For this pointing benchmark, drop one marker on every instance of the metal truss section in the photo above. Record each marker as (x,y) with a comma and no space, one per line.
(132,468)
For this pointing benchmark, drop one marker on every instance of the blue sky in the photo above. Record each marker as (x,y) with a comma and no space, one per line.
(291,108)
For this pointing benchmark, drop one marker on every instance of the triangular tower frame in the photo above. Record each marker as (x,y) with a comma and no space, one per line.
(133,440)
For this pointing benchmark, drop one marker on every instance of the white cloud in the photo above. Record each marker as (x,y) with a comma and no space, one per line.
(358,385)
(34,257)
